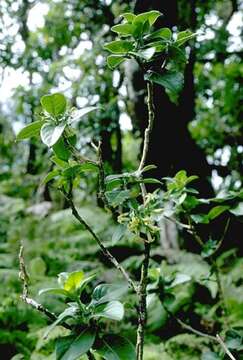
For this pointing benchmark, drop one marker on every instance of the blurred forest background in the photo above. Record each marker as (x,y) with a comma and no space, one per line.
(57,46)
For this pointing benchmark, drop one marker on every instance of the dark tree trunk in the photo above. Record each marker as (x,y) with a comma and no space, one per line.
(172,147)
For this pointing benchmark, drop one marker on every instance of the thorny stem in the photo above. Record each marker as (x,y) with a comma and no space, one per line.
(142,288)
(105,251)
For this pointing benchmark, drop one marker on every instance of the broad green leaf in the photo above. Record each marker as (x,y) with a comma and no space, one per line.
(69,312)
(158,45)
(238,210)
(117,197)
(30,130)
(78,114)
(128,16)
(113,310)
(73,281)
(51,175)
(119,46)
(172,81)
(62,345)
(164,33)
(114,60)
(54,104)
(124,29)
(51,133)
(60,163)
(54,291)
(147,54)
(200,218)
(114,347)
(61,151)
(150,16)
(79,346)
(183,37)
(216,211)
(108,292)
(73,171)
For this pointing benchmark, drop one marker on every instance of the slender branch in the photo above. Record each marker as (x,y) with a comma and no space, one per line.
(23,275)
(105,251)
(142,293)
(149,128)
(226,350)
(216,338)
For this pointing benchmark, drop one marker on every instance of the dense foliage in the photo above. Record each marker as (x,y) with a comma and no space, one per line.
(83,194)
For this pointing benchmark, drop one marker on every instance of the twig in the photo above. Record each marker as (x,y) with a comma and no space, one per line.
(142,293)
(105,251)
(149,128)
(223,345)
(23,275)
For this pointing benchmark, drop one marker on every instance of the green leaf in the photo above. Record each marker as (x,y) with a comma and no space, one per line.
(150,181)
(114,60)
(114,347)
(62,345)
(147,54)
(148,168)
(60,150)
(124,29)
(78,114)
(200,218)
(150,16)
(119,46)
(54,291)
(67,350)
(54,104)
(69,312)
(183,37)
(113,310)
(51,133)
(128,16)
(117,197)
(238,210)
(30,130)
(216,211)
(108,292)
(51,175)
(172,81)
(73,281)
(164,33)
